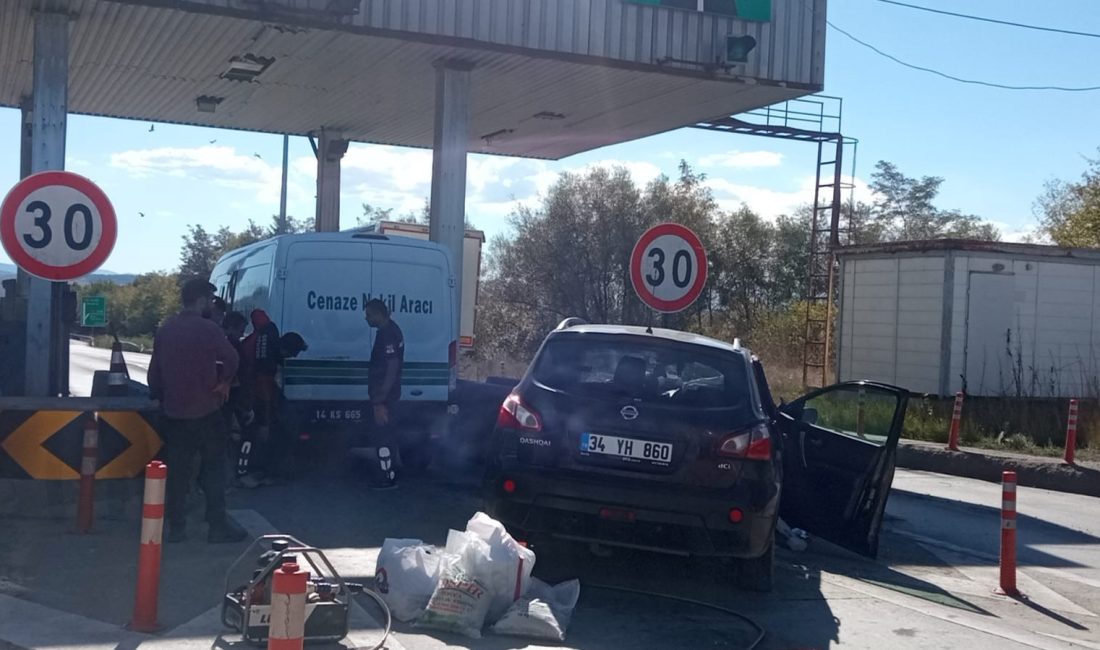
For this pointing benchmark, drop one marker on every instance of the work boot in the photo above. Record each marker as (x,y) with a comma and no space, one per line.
(176,533)
(226,532)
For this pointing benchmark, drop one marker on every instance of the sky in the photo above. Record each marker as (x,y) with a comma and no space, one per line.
(995,148)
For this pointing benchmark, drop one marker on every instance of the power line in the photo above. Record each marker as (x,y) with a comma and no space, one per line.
(992,20)
(938,73)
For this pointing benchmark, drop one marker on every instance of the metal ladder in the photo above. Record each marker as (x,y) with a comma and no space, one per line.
(830,227)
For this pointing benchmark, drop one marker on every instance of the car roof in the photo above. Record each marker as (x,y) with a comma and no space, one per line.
(651,333)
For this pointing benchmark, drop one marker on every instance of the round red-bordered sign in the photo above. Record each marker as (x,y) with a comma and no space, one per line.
(57,225)
(668,267)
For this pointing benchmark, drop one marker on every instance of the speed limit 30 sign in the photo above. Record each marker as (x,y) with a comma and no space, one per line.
(57,225)
(668,267)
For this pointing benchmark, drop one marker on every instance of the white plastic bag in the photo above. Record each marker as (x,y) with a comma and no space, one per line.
(461,599)
(544,613)
(406,576)
(510,570)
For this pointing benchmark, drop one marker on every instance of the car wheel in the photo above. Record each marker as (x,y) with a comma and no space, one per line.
(755,574)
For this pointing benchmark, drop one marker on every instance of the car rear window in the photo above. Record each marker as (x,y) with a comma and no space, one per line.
(649,371)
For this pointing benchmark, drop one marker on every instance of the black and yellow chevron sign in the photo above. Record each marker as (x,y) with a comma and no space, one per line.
(48,444)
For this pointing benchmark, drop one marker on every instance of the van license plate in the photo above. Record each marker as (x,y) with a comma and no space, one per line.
(337,415)
(628,449)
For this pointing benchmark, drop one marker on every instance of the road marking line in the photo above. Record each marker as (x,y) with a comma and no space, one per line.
(30,625)
(928,541)
(958,617)
(1036,591)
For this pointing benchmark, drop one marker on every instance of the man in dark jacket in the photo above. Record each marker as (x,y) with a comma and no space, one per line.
(189,373)
(384,387)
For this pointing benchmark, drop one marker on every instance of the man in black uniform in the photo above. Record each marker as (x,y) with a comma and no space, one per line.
(384,385)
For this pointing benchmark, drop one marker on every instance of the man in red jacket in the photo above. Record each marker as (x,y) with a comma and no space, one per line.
(189,373)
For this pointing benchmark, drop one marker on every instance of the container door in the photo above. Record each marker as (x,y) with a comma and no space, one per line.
(990,335)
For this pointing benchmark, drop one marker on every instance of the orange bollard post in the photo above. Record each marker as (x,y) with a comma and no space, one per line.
(1008,534)
(1071,432)
(956,422)
(152,529)
(288,608)
(85,507)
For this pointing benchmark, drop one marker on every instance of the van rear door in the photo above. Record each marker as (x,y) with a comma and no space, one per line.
(414,280)
(323,301)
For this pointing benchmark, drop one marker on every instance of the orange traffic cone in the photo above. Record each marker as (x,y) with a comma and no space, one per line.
(118,378)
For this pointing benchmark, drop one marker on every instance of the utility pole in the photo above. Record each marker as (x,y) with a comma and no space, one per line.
(282,191)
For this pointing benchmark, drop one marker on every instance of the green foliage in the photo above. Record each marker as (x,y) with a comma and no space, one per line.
(904,210)
(136,309)
(201,249)
(1069,213)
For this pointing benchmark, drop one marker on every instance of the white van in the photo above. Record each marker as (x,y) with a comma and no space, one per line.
(317,283)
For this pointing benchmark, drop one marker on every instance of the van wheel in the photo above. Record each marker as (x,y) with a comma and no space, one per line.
(755,574)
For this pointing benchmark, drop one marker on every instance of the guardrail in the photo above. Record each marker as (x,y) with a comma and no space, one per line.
(90,341)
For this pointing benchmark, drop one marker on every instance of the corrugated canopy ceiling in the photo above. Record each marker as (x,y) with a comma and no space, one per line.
(151,61)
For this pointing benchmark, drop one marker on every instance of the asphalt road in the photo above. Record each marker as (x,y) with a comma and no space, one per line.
(85,360)
(932,585)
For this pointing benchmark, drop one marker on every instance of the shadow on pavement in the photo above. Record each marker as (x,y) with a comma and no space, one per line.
(983,525)
(1050,613)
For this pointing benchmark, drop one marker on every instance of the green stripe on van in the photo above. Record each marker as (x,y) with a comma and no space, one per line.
(328,372)
(363,365)
(362,381)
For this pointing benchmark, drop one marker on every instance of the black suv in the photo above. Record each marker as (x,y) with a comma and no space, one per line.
(668,441)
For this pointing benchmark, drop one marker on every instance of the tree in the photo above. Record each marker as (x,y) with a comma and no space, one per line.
(201,250)
(570,255)
(293,225)
(199,253)
(904,209)
(1069,213)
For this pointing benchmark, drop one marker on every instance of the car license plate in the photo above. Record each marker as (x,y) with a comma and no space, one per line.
(338,415)
(628,449)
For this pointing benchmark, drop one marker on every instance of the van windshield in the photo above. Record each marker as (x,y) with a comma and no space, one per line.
(647,371)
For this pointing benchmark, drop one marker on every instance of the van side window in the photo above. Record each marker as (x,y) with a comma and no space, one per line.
(251,287)
(222,283)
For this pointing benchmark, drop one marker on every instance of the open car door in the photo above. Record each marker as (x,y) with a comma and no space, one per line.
(839,446)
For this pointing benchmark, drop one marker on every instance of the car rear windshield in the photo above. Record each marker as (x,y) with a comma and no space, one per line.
(649,371)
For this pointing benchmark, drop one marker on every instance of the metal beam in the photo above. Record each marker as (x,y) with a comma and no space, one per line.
(44,372)
(282,188)
(331,147)
(448,203)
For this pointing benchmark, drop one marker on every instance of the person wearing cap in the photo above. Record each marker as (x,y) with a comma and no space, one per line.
(384,388)
(189,372)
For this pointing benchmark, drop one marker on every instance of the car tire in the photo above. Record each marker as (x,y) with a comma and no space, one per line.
(755,574)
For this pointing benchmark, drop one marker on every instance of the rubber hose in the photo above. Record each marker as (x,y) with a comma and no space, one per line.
(688,601)
(389,617)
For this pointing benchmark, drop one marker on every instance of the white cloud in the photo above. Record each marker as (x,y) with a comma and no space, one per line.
(771,203)
(743,159)
(220,165)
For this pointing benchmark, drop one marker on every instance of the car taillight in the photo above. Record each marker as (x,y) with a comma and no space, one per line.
(514,414)
(754,444)
(452,365)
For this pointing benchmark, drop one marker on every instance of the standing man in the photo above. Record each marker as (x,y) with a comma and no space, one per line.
(384,384)
(189,373)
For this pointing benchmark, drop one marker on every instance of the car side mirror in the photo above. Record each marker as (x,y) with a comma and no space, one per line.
(809,415)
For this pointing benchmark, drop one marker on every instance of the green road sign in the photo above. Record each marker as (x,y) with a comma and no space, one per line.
(93,311)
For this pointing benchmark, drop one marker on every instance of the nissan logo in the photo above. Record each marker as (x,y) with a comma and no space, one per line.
(629,413)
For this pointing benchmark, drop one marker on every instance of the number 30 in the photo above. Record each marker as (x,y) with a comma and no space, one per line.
(681,261)
(42,222)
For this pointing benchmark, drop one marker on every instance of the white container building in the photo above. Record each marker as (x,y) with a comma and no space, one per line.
(989,318)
